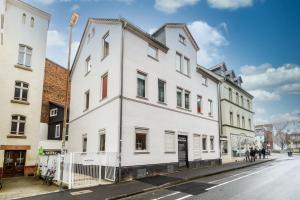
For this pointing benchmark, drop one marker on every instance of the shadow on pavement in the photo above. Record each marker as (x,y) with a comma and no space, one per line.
(193,188)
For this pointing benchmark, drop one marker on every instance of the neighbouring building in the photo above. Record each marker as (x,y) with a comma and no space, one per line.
(143,96)
(236,115)
(53,102)
(22,59)
(264,135)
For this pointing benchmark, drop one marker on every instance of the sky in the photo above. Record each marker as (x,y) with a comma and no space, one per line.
(258,39)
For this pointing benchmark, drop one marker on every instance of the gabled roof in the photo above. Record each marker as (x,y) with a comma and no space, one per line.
(178,25)
(219,66)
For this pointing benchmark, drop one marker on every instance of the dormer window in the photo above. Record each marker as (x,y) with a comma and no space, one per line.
(181,39)
(24,18)
(53,112)
(153,52)
(31,22)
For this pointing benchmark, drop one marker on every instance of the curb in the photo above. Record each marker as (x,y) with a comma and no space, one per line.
(172,183)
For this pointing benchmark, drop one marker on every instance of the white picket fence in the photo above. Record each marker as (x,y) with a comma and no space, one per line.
(82,169)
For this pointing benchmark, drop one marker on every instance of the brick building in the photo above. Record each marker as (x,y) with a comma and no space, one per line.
(54,98)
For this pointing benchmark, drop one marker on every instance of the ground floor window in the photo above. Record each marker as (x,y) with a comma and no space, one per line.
(212,143)
(224,147)
(169,141)
(204,143)
(141,139)
(84,143)
(102,140)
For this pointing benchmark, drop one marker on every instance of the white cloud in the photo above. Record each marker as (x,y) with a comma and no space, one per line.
(152,30)
(229,4)
(171,6)
(209,39)
(75,7)
(284,117)
(293,88)
(263,95)
(74,47)
(47,2)
(55,38)
(259,110)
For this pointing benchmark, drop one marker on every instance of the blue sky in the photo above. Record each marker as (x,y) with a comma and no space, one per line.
(259,39)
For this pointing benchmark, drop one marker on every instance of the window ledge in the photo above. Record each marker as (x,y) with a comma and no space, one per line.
(212,151)
(141,152)
(153,58)
(204,151)
(188,76)
(181,108)
(145,98)
(103,99)
(162,103)
(87,73)
(23,67)
(170,152)
(20,102)
(16,136)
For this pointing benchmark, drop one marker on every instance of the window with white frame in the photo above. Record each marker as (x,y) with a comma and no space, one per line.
(84,143)
(105,41)
(179,97)
(204,143)
(88,64)
(18,124)
(169,141)
(187,100)
(249,123)
(87,99)
(152,52)
(199,104)
(102,140)
(178,61)
(204,80)
(23,18)
(141,84)
(53,112)
(25,53)
(197,146)
(21,91)
(32,22)
(210,107)
(181,39)
(161,91)
(186,66)
(141,139)
(212,143)
(57,130)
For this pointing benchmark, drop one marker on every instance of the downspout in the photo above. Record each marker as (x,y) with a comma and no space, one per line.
(220,119)
(121,103)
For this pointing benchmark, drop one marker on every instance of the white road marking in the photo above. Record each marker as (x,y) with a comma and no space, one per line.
(166,195)
(234,179)
(187,196)
(229,176)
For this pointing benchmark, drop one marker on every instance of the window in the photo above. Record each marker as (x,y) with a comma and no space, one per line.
(212,143)
(224,146)
(104,86)
(169,141)
(141,84)
(179,97)
(53,112)
(204,80)
(57,131)
(187,100)
(141,139)
(24,57)
(18,124)
(238,120)
(231,118)
(210,106)
(250,125)
(102,140)
(88,64)
(87,99)
(199,104)
(152,52)
(248,103)
(242,101)
(204,145)
(178,62)
(243,121)
(21,91)
(182,39)
(161,91)
(237,99)
(197,146)
(186,66)
(24,18)
(93,32)
(32,22)
(84,143)
(230,94)
(105,45)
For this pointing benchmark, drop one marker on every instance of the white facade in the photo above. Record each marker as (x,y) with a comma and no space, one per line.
(161,122)
(23,29)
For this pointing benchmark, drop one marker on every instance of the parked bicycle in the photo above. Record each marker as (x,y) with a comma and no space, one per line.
(49,176)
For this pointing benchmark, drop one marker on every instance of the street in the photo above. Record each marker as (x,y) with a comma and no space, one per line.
(278,180)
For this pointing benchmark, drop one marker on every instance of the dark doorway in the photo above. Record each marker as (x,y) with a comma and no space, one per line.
(182,151)
(14,163)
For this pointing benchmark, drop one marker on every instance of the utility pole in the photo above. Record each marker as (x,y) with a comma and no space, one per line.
(73,21)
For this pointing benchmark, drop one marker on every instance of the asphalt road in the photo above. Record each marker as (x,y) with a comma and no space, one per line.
(278,180)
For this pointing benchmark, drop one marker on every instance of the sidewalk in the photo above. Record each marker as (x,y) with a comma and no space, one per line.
(130,188)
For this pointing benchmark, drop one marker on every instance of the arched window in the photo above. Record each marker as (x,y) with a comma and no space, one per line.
(24,18)
(32,22)
(18,124)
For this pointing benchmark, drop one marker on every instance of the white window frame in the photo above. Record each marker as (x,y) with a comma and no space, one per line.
(145,131)
(189,100)
(53,112)
(164,88)
(186,61)
(204,137)
(22,89)
(204,80)
(102,133)
(178,68)
(151,49)
(181,94)
(57,131)
(142,76)
(27,54)
(18,121)
(169,135)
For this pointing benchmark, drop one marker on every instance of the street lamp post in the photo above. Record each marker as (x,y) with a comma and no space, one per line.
(73,21)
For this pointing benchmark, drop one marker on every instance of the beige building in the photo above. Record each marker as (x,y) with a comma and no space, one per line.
(22,60)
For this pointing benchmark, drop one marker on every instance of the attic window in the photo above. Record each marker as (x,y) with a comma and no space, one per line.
(181,39)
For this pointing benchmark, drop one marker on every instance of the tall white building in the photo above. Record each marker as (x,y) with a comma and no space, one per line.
(236,115)
(143,96)
(22,60)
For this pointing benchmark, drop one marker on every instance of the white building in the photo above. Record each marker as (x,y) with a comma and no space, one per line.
(143,96)
(22,60)
(237,133)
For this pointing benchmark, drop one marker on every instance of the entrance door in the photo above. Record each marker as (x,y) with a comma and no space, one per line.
(14,163)
(182,151)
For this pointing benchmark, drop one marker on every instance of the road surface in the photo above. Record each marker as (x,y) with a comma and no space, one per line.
(278,180)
